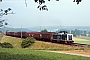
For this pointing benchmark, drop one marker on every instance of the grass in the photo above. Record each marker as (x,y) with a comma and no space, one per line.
(34,52)
(16,42)
(27,54)
(1,35)
(82,40)
(40,45)
(85,37)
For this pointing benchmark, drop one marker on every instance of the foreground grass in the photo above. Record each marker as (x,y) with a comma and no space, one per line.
(26,54)
(33,52)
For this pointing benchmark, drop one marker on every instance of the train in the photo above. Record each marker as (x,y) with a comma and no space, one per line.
(61,37)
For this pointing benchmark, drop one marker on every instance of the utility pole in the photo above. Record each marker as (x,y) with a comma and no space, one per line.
(70,31)
(40,28)
(21,32)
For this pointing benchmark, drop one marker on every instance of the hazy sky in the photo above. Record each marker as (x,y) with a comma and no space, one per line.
(62,13)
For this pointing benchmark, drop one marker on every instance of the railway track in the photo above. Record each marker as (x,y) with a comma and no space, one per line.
(80,45)
(73,44)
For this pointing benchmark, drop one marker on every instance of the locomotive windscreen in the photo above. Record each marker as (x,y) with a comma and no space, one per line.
(70,37)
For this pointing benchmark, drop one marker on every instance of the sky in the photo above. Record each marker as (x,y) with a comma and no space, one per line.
(62,13)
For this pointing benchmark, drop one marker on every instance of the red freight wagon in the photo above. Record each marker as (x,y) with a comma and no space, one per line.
(19,34)
(23,34)
(36,35)
(7,33)
(47,35)
(28,34)
(15,34)
(11,33)
(33,34)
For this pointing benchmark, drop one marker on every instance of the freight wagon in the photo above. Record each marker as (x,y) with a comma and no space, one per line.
(36,35)
(10,33)
(47,35)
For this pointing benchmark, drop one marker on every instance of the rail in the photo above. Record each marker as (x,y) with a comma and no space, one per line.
(80,45)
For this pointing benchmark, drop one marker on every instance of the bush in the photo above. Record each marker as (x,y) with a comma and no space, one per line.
(27,42)
(0,44)
(6,45)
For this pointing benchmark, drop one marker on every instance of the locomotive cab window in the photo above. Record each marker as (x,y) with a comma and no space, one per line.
(70,37)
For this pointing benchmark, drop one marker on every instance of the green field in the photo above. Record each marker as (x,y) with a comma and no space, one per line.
(83,42)
(85,38)
(27,54)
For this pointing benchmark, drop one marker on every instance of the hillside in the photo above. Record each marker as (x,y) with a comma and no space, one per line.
(16,42)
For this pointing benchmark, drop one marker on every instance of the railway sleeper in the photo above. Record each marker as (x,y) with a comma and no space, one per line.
(54,40)
(88,46)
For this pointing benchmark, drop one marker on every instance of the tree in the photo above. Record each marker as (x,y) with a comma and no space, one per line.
(5,12)
(44,7)
(44,30)
(2,13)
(77,1)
